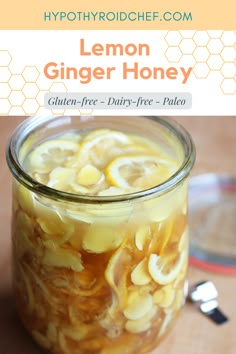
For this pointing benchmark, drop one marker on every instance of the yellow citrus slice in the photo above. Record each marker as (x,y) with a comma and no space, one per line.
(162,270)
(141,171)
(99,147)
(116,273)
(52,153)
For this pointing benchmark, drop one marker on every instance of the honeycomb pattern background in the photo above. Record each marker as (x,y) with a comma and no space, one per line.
(208,52)
(23,93)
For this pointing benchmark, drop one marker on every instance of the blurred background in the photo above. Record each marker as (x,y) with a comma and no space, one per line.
(215,140)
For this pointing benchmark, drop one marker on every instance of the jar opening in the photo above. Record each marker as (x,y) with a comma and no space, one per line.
(37,127)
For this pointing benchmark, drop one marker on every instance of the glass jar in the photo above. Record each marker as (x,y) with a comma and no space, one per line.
(99,274)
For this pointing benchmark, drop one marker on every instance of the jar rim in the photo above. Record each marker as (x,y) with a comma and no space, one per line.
(28,125)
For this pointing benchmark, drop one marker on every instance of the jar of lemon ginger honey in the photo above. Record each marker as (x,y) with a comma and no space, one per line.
(100,231)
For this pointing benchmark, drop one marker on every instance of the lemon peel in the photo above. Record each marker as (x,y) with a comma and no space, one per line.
(135,166)
(157,265)
(101,144)
(50,154)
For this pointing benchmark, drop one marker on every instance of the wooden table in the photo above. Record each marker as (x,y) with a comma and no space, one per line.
(215,140)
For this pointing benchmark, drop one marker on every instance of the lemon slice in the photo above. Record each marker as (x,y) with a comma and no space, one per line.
(162,270)
(126,171)
(99,147)
(117,280)
(50,154)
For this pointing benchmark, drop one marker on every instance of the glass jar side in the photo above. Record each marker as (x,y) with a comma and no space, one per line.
(99,277)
